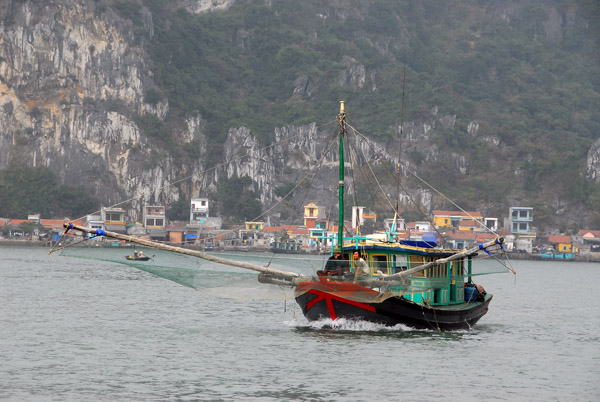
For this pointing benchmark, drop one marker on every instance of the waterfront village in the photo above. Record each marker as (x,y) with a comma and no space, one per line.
(317,234)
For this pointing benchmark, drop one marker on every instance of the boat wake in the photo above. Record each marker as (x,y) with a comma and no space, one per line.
(348,325)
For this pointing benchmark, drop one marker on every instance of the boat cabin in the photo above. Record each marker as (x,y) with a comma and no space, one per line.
(438,285)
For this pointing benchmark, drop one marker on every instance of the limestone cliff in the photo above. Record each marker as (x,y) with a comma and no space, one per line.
(593,162)
(73,77)
(79,91)
(68,72)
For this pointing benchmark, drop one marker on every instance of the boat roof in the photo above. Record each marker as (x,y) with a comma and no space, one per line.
(399,248)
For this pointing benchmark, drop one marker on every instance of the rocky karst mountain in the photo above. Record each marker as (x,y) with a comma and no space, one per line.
(100,92)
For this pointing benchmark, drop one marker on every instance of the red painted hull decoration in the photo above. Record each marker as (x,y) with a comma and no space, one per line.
(328,299)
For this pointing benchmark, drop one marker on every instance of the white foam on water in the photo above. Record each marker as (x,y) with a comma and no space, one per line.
(343,324)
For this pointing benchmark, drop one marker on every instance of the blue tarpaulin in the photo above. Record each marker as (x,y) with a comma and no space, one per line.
(428,240)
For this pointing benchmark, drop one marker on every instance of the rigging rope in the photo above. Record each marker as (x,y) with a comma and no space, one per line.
(311,170)
(386,196)
(369,142)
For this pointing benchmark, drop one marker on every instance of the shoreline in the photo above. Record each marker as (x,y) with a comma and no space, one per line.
(587,257)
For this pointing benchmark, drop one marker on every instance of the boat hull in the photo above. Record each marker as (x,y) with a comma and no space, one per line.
(316,305)
(131,258)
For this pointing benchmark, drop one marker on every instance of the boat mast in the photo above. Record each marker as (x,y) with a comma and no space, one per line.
(341,119)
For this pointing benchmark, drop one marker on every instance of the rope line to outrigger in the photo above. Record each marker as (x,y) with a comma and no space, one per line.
(312,171)
(424,182)
(395,209)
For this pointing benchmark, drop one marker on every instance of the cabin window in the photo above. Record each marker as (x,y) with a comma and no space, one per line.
(453,291)
(436,271)
(380,263)
(416,261)
(399,263)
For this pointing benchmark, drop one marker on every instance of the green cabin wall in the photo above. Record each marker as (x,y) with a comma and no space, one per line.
(442,283)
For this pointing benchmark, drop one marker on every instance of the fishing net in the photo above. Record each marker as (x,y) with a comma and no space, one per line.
(237,283)
(205,276)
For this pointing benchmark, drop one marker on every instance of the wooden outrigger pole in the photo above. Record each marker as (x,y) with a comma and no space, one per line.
(181,250)
(276,276)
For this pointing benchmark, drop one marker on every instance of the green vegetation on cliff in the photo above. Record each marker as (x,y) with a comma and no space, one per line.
(25,190)
(527,72)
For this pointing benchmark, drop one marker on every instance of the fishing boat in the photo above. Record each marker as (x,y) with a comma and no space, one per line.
(422,287)
(416,284)
(418,287)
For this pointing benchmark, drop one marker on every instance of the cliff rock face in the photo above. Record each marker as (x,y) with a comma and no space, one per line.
(593,162)
(258,164)
(67,70)
(75,84)
(74,78)
(204,6)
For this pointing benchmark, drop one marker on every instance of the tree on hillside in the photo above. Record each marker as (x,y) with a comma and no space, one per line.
(179,210)
(238,200)
(25,190)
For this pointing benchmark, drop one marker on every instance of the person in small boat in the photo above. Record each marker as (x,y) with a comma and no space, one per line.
(140,254)
(361,268)
(336,264)
(135,254)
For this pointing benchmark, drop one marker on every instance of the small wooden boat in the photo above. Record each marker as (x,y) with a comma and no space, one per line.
(133,258)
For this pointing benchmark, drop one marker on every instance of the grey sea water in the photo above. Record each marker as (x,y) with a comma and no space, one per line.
(75,329)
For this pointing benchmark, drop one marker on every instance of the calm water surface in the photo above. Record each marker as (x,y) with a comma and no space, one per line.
(73,329)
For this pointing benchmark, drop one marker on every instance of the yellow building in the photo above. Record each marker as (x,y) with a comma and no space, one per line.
(563,243)
(452,219)
(255,226)
(312,213)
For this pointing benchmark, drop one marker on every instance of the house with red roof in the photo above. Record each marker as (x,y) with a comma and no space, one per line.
(590,237)
(468,225)
(563,244)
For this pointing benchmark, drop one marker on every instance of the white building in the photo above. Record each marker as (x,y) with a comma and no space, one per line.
(198,210)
